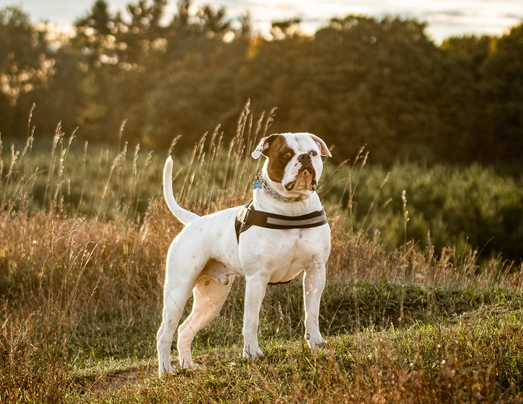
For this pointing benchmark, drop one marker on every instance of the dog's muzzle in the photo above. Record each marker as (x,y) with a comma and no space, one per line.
(306,174)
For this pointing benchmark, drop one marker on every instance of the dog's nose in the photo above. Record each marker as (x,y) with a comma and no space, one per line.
(302,158)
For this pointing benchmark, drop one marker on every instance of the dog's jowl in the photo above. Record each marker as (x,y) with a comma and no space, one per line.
(282,233)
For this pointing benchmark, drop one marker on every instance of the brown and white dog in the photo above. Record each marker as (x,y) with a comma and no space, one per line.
(207,254)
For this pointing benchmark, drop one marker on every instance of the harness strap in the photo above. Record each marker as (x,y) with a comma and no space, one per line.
(239,223)
(248,216)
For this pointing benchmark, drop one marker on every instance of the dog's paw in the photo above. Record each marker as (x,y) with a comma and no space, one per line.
(315,342)
(187,363)
(192,366)
(165,372)
(250,352)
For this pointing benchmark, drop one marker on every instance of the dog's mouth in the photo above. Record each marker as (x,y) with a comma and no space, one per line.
(305,180)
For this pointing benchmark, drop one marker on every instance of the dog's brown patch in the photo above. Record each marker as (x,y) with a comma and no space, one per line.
(279,154)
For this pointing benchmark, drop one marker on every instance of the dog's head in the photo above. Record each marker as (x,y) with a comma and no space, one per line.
(293,160)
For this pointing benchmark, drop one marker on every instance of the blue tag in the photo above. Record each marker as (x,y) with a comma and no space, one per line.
(257,184)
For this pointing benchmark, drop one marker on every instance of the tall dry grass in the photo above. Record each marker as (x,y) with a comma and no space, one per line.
(78,289)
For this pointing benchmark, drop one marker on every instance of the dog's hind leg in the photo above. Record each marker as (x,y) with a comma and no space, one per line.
(209,295)
(179,283)
(174,303)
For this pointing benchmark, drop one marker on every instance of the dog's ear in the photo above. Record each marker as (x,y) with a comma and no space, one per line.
(264,144)
(324,150)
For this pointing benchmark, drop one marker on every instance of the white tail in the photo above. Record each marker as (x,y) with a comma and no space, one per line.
(180,213)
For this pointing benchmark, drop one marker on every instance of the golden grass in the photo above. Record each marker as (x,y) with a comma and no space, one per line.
(81,295)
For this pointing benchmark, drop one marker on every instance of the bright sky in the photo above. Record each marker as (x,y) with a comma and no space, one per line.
(445,17)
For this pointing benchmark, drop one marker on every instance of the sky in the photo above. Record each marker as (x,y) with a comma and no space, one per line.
(445,17)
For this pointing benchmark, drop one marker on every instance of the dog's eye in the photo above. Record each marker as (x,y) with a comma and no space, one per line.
(312,153)
(287,156)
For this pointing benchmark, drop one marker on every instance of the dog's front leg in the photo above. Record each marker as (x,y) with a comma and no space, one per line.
(313,285)
(254,294)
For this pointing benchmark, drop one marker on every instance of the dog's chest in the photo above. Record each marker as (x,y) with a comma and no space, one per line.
(283,254)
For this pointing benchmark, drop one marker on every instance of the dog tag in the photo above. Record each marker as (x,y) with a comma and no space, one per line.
(257,184)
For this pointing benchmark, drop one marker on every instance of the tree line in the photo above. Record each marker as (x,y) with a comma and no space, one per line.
(357,81)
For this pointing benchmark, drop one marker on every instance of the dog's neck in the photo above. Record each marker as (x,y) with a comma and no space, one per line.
(261,183)
(292,205)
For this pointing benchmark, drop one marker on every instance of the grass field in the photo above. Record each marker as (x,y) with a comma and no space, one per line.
(83,238)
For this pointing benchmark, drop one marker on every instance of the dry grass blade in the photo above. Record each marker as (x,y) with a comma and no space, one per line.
(82,250)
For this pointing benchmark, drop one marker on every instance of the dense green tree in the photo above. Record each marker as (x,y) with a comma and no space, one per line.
(119,55)
(25,69)
(93,33)
(358,80)
(143,35)
(285,29)
(503,94)
(213,21)
(462,108)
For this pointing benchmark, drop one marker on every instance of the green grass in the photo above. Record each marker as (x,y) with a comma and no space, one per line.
(83,240)
(473,358)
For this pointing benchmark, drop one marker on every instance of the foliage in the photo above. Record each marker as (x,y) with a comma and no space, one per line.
(473,209)
(82,244)
(469,208)
(26,66)
(358,80)
(83,235)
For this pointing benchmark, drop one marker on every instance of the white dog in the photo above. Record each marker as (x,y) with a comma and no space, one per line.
(280,234)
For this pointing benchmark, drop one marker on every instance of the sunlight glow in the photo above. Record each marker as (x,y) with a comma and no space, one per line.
(445,17)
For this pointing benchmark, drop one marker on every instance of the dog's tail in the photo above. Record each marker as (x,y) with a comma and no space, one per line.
(181,214)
